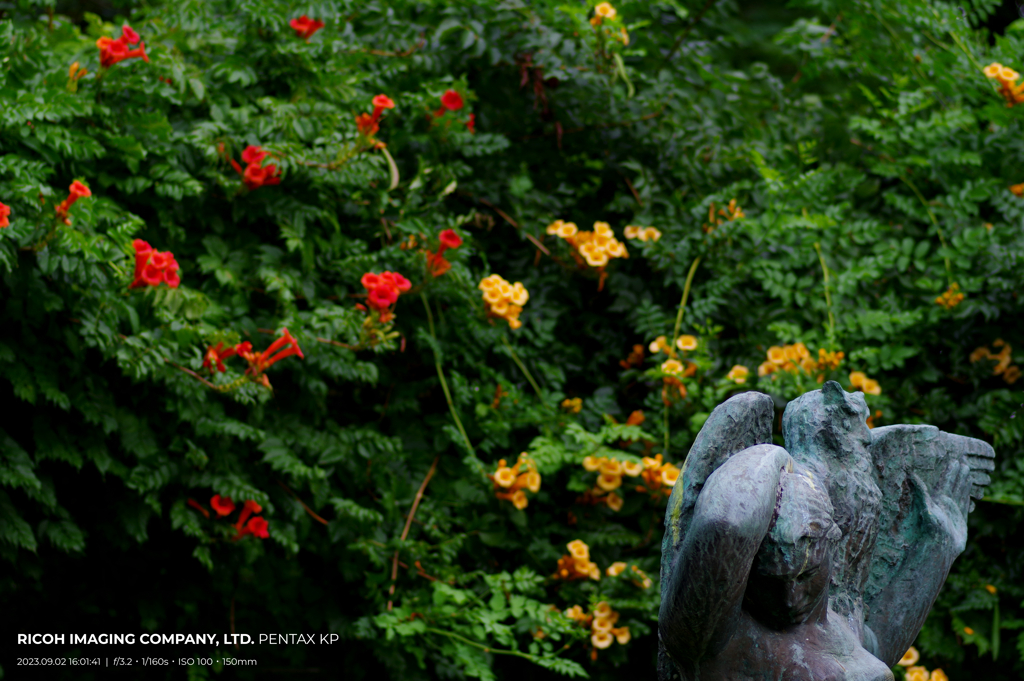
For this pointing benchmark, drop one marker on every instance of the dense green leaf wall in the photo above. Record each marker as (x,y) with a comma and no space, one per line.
(872,166)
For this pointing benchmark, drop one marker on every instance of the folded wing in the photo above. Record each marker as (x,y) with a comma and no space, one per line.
(740,422)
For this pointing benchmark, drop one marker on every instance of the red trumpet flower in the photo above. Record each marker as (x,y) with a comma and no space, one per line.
(153,267)
(258,363)
(436,263)
(253,154)
(199,507)
(215,355)
(451,100)
(368,124)
(5,212)
(256,176)
(257,527)
(222,505)
(381,102)
(305,27)
(449,239)
(77,190)
(113,51)
(383,289)
(248,509)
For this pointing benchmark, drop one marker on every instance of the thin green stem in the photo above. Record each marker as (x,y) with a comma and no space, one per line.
(682,303)
(828,298)
(675,336)
(900,44)
(486,649)
(960,44)
(938,228)
(1003,501)
(522,367)
(938,42)
(440,375)
(45,241)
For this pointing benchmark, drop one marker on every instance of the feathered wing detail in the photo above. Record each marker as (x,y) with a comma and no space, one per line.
(980,458)
(923,473)
(893,452)
(929,453)
(740,422)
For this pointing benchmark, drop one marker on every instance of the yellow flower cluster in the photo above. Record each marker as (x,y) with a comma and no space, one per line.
(410,243)
(603,11)
(738,374)
(729,213)
(609,478)
(1010,372)
(509,483)
(577,565)
(919,673)
(635,359)
(503,299)
(601,623)
(951,297)
(796,358)
(869,386)
(596,247)
(642,233)
(684,343)
(642,580)
(658,477)
(1007,79)
(1016,190)
(573,406)
(675,368)
(676,372)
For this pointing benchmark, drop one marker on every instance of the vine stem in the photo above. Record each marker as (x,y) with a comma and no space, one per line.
(339,344)
(686,31)
(522,367)
(960,44)
(938,228)
(675,333)
(405,531)
(828,296)
(303,504)
(486,649)
(899,43)
(440,375)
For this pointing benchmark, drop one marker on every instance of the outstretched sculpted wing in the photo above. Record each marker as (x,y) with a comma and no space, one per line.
(928,452)
(742,421)
(917,465)
(980,458)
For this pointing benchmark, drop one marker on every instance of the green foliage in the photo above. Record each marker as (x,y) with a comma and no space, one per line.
(868,156)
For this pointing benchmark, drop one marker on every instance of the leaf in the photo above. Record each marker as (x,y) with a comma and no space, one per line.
(392,167)
(198,89)
(349,509)
(16,468)
(562,666)
(63,534)
(13,528)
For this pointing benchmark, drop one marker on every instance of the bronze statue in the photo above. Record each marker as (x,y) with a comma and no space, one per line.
(819,563)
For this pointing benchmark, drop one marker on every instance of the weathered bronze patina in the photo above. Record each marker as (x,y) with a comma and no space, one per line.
(817,562)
